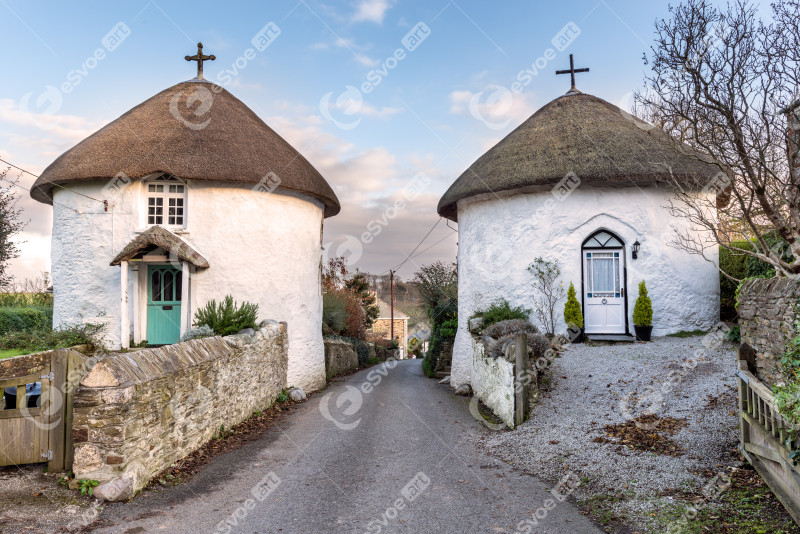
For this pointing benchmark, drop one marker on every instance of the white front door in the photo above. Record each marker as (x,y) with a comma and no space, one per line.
(604,291)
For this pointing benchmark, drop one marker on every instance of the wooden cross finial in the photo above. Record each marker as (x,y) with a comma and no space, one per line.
(572,70)
(200,58)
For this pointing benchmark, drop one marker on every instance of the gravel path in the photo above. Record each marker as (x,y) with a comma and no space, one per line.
(598,385)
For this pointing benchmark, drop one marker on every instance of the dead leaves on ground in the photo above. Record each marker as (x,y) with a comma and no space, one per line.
(646,433)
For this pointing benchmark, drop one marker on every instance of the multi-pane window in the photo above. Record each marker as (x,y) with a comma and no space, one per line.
(166,202)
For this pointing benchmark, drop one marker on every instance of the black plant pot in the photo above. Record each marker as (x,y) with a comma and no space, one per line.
(643,332)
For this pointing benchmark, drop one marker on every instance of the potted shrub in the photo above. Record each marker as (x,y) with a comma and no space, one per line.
(573,315)
(643,314)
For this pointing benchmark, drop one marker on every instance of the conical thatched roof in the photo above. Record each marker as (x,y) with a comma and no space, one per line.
(583,134)
(194,130)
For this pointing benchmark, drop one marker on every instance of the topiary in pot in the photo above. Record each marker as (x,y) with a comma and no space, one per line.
(573,315)
(643,314)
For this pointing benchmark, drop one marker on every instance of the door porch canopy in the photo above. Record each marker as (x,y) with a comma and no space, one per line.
(157,237)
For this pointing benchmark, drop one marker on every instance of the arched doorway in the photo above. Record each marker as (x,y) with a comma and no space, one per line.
(604,284)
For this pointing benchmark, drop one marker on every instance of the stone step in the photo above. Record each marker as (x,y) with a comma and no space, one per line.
(441,374)
(610,339)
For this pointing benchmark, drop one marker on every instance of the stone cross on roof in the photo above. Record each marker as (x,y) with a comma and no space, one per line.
(200,58)
(572,70)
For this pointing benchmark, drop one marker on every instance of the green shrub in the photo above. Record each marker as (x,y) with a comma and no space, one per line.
(362,349)
(24,300)
(428,368)
(572,308)
(228,317)
(49,339)
(334,313)
(501,310)
(787,393)
(643,309)
(735,334)
(448,329)
(28,319)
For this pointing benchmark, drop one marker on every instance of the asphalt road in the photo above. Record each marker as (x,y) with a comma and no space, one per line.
(383,450)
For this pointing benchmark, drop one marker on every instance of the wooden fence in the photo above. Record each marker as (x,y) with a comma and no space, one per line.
(43,432)
(767,439)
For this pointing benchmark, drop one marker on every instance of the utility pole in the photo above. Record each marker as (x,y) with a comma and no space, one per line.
(391,304)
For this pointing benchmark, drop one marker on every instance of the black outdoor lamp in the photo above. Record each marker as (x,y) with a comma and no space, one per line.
(636,246)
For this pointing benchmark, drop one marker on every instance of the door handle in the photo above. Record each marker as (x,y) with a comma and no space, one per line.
(605,301)
(166,308)
(622,292)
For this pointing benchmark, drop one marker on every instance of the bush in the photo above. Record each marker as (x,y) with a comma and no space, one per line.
(572,309)
(362,349)
(198,333)
(501,310)
(787,393)
(643,309)
(510,326)
(24,300)
(334,313)
(448,329)
(735,265)
(228,317)
(29,319)
(49,339)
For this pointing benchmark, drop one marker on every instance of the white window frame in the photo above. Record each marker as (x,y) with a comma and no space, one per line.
(169,190)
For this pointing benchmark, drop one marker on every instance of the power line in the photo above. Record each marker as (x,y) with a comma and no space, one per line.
(53,183)
(415,248)
(430,247)
(27,190)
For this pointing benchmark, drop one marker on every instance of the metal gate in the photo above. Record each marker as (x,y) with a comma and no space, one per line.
(36,415)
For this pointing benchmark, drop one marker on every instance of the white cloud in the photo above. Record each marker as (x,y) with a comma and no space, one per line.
(371,11)
(68,127)
(495,103)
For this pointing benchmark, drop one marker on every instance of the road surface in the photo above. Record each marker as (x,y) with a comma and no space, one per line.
(383,450)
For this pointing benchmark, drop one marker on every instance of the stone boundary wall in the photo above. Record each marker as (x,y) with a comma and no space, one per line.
(767,312)
(137,413)
(493,382)
(340,357)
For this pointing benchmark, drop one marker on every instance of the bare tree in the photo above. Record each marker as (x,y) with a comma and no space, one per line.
(548,292)
(10,225)
(721,81)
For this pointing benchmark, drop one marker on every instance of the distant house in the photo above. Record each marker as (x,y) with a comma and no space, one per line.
(382,325)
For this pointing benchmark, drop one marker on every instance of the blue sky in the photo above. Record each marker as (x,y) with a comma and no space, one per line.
(446,71)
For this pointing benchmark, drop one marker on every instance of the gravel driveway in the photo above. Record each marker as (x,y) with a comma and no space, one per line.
(594,386)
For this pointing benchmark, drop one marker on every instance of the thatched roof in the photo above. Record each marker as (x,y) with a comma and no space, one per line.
(157,237)
(226,142)
(583,134)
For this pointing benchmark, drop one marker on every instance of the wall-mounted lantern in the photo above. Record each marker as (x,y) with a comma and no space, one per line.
(636,247)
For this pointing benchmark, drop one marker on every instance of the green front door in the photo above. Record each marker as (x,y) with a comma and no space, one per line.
(163,305)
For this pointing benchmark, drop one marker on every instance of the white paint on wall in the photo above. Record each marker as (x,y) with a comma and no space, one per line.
(262,247)
(493,382)
(500,236)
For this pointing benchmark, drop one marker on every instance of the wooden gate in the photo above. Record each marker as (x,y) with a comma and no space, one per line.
(767,440)
(41,432)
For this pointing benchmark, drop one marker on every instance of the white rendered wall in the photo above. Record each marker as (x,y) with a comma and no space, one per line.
(262,247)
(499,237)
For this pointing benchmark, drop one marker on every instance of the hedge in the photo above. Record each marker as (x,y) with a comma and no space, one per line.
(29,319)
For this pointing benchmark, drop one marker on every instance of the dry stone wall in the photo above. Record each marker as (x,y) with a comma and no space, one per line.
(767,312)
(137,413)
(340,357)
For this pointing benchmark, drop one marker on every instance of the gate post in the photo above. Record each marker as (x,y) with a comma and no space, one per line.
(521,377)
